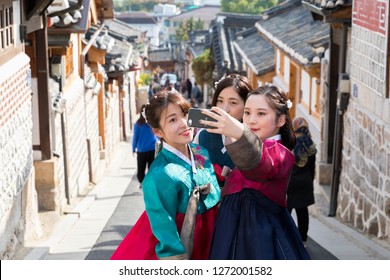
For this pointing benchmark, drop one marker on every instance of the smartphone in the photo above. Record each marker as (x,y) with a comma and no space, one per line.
(195,115)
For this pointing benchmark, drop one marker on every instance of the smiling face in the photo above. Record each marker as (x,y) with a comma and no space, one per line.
(229,101)
(261,118)
(173,127)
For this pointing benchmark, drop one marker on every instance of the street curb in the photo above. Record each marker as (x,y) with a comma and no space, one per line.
(361,240)
(357,238)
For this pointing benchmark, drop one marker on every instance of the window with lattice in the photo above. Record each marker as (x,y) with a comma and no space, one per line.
(6,25)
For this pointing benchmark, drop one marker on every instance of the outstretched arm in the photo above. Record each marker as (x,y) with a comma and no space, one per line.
(225,124)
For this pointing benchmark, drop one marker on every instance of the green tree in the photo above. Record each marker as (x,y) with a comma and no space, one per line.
(203,67)
(186,27)
(199,25)
(254,7)
(145,79)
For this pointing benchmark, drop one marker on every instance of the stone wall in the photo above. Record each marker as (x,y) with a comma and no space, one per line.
(364,195)
(16,162)
(364,192)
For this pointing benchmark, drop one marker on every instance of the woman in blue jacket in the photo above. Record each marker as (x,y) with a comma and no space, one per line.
(144,142)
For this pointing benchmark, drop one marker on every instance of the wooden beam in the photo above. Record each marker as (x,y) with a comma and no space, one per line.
(94,13)
(43,94)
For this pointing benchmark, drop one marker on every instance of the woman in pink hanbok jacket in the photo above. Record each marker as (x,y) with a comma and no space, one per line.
(253,222)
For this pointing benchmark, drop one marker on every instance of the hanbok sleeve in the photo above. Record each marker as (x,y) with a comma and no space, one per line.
(246,152)
(256,161)
(161,199)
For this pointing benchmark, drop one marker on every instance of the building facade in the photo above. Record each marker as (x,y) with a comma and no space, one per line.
(364,194)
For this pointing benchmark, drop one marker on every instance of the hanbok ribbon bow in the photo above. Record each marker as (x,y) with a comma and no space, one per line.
(188,228)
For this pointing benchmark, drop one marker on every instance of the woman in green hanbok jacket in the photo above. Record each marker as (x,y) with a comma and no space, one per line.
(181,191)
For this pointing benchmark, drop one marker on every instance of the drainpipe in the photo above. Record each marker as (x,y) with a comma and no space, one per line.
(343,94)
(58,107)
(65,154)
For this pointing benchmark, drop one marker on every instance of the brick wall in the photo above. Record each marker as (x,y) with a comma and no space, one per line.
(16,162)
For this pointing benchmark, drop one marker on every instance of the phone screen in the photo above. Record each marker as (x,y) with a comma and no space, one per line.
(195,115)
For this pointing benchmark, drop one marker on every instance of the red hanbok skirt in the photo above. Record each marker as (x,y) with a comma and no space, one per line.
(140,243)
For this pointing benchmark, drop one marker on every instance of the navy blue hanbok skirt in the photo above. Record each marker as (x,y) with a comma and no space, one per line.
(249,226)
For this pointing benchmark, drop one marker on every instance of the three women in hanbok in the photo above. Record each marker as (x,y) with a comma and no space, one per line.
(180,190)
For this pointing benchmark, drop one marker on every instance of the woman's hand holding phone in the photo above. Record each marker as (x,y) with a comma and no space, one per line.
(223,123)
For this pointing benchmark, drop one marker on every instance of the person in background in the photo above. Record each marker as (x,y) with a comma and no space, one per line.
(253,221)
(144,142)
(230,94)
(196,95)
(189,88)
(150,91)
(181,192)
(300,192)
(167,82)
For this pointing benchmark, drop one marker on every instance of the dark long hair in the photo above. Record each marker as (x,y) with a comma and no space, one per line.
(141,119)
(277,100)
(159,102)
(240,83)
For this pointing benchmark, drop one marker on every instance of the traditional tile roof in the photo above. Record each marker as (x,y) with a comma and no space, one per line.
(206,13)
(291,28)
(328,4)
(121,30)
(255,51)
(223,33)
(120,53)
(199,41)
(136,18)
(160,55)
(65,13)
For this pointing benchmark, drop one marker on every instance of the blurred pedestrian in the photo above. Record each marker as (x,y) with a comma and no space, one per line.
(189,88)
(144,141)
(196,95)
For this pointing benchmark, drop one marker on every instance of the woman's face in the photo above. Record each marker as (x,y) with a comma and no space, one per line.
(173,127)
(229,101)
(261,118)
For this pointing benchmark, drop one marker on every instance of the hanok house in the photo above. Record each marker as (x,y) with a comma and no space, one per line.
(115,55)
(224,28)
(145,22)
(258,56)
(64,147)
(161,61)
(300,43)
(124,63)
(66,142)
(360,77)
